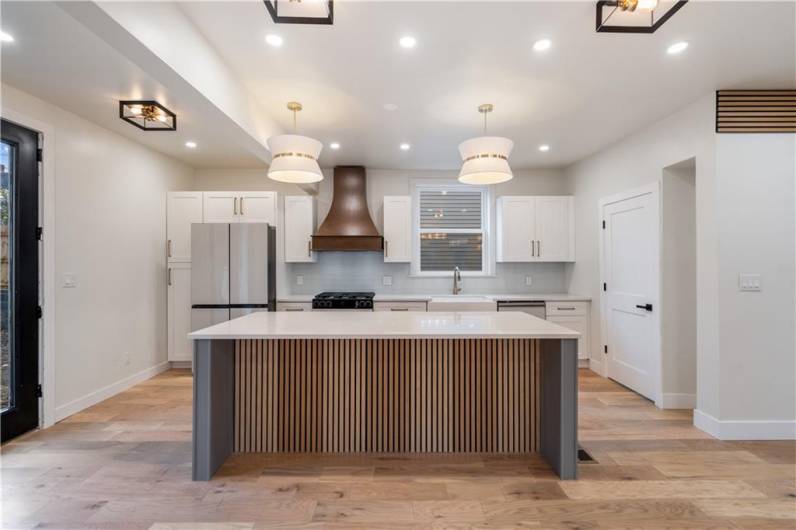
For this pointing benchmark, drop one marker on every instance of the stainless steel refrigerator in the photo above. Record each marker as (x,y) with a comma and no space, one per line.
(233,271)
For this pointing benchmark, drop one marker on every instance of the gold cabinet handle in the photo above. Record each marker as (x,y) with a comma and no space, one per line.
(241,205)
(399,309)
(294,309)
(538,248)
(309,248)
(532,249)
(169,275)
(235,205)
(169,248)
(386,248)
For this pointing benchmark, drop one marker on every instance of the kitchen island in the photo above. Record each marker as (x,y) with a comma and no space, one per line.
(385,382)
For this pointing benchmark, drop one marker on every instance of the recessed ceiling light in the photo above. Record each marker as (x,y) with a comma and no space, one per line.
(677,47)
(405,147)
(390,107)
(5,37)
(544,147)
(190,145)
(334,145)
(542,45)
(274,40)
(408,41)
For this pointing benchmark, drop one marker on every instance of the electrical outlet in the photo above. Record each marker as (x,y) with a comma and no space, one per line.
(386,281)
(749,282)
(528,280)
(299,280)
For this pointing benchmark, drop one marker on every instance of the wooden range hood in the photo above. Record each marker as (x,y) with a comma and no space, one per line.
(348,226)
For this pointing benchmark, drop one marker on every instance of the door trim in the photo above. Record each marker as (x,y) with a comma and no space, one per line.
(47,279)
(654,189)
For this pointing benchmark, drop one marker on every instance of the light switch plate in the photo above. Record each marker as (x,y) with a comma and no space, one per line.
(749,282)
(386,281)
(528,280)
(69,280)
(299,279)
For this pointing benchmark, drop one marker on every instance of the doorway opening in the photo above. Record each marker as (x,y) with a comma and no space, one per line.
(19,280)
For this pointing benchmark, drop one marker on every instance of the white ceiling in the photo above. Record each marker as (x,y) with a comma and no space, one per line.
(588,91)
(56,58)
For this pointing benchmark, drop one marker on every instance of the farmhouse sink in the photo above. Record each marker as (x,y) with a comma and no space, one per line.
(461,303)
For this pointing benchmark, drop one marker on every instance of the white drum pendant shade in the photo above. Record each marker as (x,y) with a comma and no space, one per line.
(294,159)
(486,160)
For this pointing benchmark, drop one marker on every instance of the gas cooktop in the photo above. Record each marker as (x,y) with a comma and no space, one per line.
(343,300)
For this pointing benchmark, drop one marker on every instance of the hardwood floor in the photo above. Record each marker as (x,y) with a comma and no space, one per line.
(125,464)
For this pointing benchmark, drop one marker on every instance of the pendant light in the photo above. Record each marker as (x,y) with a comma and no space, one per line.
(486,158)
(294,158)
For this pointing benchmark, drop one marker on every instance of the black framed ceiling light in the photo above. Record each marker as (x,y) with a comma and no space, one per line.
(301,12)
(148,115)
(635,16)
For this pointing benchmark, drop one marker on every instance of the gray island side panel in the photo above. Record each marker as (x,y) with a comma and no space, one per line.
(558,424)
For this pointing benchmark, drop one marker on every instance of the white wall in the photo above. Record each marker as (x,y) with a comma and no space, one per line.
(364,270)
(109,230)
(678,301)
(746,349)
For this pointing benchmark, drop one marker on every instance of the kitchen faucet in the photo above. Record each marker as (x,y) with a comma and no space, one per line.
(457,278)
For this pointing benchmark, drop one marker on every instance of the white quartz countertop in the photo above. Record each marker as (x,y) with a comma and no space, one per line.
(387,297)
(384,324)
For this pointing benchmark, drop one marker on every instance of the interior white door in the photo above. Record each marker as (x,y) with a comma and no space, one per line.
(182,209)
(220,206)
(516,228)
(553,228)
(630,297)
(257,207)
(397,228)
(299,225)
(179,312)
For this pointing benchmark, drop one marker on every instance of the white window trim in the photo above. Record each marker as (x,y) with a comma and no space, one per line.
(487,260)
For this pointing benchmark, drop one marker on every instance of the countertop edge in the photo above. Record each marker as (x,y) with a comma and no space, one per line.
(383,297)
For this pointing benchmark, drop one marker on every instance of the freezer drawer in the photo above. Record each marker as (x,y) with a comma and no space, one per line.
(205,317)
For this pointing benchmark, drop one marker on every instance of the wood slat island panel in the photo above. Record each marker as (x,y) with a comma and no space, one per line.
(387,395)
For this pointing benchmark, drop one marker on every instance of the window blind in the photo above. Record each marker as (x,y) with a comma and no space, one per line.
(451,230)
(450,209)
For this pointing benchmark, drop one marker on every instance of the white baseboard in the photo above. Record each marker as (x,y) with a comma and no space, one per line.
(181,365)
(745,429)
(596,366)
(583,363)
(678,401)
(73,407)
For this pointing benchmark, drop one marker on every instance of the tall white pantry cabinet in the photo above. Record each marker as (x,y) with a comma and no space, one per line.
(182,209)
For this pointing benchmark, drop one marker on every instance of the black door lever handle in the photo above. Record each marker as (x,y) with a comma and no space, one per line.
(646,307)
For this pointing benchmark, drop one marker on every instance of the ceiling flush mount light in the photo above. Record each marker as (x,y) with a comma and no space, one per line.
(634,16)
(5,37)
(542,45)
(274,40)
(148,115)
(190,145)
(486,158)
(677,47)
(294,158)
(544,148)
(298,12)
(334,145)
(408,42)
(405,147)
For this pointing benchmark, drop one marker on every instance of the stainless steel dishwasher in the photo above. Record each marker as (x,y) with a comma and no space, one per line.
(532,307)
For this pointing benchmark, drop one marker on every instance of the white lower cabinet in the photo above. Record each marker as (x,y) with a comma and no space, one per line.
(294,306)
(574,316)
(180,348)
(399,306)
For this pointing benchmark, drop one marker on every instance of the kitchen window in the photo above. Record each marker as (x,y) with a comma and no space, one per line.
(451,229)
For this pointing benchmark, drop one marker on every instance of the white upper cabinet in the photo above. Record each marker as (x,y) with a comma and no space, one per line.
(257,207)
(240,207)
(555,238)
(221,206)
(397,228)
(535,228)
(299,225)
(182,209)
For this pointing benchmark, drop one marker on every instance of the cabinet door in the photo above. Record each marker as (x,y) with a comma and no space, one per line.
(220,206)
(397,229)
(579,324)
(553,228)
(299,225)
(257,207)
(182,209)
(515,228)
(179,312)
